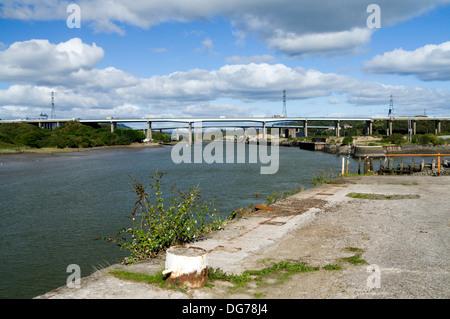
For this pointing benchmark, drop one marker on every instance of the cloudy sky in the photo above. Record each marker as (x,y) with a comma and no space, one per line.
(224,58)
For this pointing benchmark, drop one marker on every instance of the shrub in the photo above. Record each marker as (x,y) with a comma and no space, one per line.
(429,139)
(347,140)
(32,138)
(161,137)
(129,135)
(395,138)
(156,227)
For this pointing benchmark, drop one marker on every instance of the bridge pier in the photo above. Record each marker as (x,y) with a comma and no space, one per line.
(336,128)
(437,127)
(369,128)
(190,133)
(305,128)
(113,126)
(413,127)
(149,131)
(389,127)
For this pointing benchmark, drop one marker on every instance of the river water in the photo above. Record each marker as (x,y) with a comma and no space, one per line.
(53,206)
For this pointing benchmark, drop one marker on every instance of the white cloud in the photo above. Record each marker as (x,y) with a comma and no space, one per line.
(83,90)
(428,63)
(207,46)
(326,43)
(40,61)
(285,25)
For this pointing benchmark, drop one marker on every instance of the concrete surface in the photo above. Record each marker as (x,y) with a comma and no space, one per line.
(405,241)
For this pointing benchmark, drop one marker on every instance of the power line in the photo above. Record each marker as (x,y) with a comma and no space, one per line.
(391,107)
(52,114)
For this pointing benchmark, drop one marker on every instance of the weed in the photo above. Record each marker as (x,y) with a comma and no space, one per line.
(356,260)
(282,270)
(156,279)
(381,196)
(332,267)
(156,227)
(279,196)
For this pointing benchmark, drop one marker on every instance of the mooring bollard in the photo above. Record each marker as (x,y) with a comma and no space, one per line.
(187,266)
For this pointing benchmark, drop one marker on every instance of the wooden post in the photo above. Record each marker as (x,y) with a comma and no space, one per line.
(381,164)
(371,164)
(342,169)
(413,165)
(422,166)
(401,166)
(359,166)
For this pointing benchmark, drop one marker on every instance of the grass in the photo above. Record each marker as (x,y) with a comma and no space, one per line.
(332,267)
(281,271)
(381,196)
(156,279)
(276,273)
(275,197)
(355,259)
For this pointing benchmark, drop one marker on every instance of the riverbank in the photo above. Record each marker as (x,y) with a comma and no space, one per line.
(364,150)
(52,150)
(404,240)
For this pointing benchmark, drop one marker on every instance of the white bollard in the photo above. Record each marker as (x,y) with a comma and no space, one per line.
(186,265)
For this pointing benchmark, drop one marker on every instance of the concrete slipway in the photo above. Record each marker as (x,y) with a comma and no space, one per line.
(407,240)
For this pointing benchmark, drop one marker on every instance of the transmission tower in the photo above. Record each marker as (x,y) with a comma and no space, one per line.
(391,107)
(52,115)
(284,103)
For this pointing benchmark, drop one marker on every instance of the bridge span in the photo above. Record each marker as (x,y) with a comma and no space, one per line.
(242,122)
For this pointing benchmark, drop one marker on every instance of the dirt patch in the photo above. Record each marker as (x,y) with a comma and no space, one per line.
(291,206)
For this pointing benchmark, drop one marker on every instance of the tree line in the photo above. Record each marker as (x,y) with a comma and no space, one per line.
(70,135)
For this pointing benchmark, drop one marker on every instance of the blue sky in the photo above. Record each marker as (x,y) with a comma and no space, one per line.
(213,58)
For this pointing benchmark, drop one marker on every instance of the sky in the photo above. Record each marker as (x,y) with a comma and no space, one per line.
(207,58)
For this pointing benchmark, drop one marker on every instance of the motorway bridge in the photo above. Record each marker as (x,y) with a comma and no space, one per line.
(241,122)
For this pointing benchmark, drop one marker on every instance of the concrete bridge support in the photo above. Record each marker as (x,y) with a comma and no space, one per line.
(369,128)
(190,133)
(305,128)
(113,126)
(149,130)
(437,127)
(414,127)
(389,127)
(336,128)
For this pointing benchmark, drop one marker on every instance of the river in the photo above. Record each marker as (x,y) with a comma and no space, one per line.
(53,206)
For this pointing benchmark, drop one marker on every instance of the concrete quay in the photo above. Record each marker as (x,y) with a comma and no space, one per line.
(405,240)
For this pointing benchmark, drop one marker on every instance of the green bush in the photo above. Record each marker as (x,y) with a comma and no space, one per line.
(34,138)
(156,227)
(395,138)
(161,137)
(129,135)
(429,139)
(347,140)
